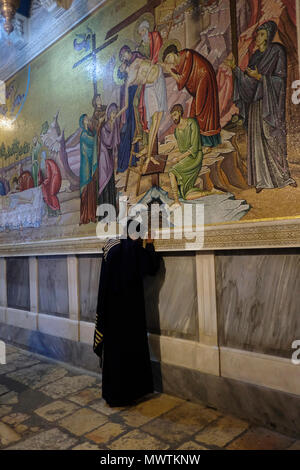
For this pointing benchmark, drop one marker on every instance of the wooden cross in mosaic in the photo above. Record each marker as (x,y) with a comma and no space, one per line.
(112,36)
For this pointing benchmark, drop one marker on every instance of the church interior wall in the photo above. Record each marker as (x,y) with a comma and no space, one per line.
(212,340)
(221,323)
(258,295)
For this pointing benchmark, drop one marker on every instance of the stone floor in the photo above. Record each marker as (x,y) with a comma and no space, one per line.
(49,405)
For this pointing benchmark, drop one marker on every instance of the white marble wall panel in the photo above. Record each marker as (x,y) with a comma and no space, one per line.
(89,267)
(171,298)
(17,272)
(258,298)
(53,285)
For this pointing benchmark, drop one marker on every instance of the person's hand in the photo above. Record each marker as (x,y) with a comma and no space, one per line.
(253,73)
(181,157)
(230,62)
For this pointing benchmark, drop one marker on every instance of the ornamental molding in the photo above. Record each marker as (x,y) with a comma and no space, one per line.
(82,240)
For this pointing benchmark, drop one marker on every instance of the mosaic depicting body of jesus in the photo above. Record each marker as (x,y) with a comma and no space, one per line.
(143,72)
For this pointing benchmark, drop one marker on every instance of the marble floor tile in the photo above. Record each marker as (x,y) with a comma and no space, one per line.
(104,408)
(38,375)
(21,429)
(16,361)
(56,410)
(35,429)
(221,432)
(137,440)
(67,385)
(7,368)
(10,398)
(106,433)
(52,439)
(149,409)
(261,439)
(3,389)
(5,410)
(83,421)
(181,422)
(15,418)
(191,445)
(86,446)
(8,435)
(84,397)
(12,349)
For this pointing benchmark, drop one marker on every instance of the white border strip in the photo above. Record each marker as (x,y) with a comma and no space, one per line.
(273,372)
(260,369)
(185,353)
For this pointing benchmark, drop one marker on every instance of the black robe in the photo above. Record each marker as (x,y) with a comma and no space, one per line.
(120,330)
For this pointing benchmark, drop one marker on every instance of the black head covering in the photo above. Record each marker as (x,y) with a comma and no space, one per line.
(271,28)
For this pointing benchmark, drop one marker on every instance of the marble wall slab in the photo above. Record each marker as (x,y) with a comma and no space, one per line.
(258,299)
(53,285)
(89,274)
(171,298)
(17,272)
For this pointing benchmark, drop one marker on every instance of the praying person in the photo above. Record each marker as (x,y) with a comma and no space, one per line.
(120,336)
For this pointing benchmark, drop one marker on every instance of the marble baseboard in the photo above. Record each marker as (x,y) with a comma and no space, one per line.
(276,410)
(189,354)
(20,318)
(72,352)
(60,327)
(86,332)
(261,369)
